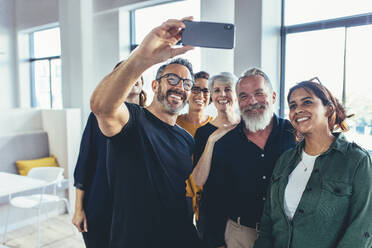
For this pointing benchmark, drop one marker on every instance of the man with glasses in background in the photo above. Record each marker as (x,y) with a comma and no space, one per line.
(149,156)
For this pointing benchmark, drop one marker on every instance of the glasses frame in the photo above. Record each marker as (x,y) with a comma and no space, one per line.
(184,81)
(315,79)
(198,90)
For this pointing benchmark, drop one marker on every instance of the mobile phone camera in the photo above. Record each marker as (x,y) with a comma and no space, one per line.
(228,26)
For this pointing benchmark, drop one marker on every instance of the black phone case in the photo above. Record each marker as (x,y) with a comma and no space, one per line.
(208,34)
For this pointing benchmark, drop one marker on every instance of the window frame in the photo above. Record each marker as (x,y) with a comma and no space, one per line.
(31,60)
(342,22)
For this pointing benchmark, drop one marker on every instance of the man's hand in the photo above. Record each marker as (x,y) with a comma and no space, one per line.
(157,46)
(80,221)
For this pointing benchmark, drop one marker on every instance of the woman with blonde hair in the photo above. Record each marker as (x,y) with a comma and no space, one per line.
(222,87)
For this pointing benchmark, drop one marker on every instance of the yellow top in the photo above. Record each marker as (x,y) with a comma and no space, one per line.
(188,126)
(192,190)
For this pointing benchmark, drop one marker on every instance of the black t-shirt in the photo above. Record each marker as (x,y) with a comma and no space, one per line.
(90,175)
(201,137)
(149,162)
(239,177)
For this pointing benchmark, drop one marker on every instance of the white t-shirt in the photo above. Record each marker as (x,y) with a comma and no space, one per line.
(297,182)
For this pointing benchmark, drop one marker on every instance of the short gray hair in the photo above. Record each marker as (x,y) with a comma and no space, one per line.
(224,77)
(178,61)
(254,71)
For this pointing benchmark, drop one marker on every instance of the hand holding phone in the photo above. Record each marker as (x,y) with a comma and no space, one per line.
(208,34)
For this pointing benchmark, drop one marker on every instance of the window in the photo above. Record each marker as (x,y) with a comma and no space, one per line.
(45,60)
(142,25)
(337,50)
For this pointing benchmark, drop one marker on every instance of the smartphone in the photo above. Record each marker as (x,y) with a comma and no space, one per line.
(208,34)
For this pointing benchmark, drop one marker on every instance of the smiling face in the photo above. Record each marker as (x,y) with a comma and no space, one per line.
(172,98)
(198,101)
(256,102)
(307,112)
(223,96)
(137,87)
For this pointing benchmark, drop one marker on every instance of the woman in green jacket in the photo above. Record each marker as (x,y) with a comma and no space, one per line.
(320,193)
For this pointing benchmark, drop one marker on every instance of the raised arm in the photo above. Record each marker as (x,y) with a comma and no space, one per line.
(203,166)
(107,99)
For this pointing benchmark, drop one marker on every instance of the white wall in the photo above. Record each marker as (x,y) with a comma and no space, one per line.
(8,87)
(107,6)
(258,38)
(95,36)
(217,60)
(34,13)
(63,128)
(75,19)
(20,121)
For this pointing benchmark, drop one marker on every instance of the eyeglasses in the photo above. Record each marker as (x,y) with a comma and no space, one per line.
(174,79)
(197,90)
(316,79)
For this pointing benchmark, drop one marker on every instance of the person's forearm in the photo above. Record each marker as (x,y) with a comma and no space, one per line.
(115,87)
(79,199)
(201,171)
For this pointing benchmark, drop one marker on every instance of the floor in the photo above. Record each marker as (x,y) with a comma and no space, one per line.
(59,233)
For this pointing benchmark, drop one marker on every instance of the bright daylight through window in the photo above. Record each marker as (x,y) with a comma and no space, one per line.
(45,59)
(337,49)
(142,24)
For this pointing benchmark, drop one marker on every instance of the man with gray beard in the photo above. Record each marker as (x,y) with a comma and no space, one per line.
(242,164)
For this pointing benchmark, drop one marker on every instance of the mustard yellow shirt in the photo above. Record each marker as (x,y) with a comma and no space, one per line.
(188,126)
(192,190)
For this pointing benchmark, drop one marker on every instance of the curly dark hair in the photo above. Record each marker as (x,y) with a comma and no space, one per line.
(201,74)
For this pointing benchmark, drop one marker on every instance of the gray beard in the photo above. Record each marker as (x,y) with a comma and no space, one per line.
(167,106)
(258,123)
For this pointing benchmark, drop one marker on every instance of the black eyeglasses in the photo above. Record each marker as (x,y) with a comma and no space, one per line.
(174,79)
(197,90)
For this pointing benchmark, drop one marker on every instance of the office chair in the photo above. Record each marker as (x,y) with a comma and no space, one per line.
(53,177)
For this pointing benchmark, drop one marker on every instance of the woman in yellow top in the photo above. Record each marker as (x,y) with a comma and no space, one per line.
(198,101)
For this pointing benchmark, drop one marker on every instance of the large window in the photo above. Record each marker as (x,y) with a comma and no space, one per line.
(337,51)
(45,60)
(141,24)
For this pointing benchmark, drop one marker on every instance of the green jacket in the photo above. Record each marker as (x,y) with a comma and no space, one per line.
(336,207)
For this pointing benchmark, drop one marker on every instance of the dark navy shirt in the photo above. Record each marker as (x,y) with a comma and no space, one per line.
(239,177)
(150,161)
(90,175)
(201,137)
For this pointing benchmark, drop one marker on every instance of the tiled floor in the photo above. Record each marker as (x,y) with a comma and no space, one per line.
(60,233)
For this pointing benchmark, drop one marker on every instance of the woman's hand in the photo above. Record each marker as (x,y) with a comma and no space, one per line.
(219,133)
(80,220)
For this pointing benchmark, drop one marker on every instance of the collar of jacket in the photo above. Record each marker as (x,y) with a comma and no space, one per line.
(339,144)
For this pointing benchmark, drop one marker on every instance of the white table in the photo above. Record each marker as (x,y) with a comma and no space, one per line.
(13,183)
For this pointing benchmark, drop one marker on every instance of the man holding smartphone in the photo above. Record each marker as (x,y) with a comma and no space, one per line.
(149,155)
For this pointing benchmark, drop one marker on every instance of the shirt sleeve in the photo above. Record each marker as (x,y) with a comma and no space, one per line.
(86,163)
(134,110)
(199,146)
(359,227)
